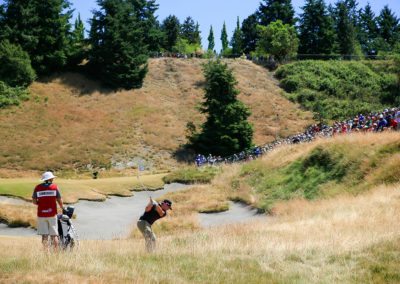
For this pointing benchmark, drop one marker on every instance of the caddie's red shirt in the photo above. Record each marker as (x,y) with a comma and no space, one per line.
(46,195)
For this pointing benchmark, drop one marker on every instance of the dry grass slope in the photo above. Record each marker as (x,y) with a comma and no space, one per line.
(70,121)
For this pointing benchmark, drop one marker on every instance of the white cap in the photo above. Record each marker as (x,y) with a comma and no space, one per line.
(47,176)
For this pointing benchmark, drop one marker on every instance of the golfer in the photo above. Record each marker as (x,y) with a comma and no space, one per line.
(46,196)
(152,213)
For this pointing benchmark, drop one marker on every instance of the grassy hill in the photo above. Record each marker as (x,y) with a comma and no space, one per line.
(71,122)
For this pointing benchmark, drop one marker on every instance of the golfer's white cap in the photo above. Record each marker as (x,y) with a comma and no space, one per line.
(47,176)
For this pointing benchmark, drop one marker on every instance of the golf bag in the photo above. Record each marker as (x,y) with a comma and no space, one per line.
(66,231)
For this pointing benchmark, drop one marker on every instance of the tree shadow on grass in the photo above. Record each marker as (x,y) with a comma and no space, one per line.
(184,154)
(81,81)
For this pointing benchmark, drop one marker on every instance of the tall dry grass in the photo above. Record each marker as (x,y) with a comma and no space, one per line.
(71,121)
(327,241)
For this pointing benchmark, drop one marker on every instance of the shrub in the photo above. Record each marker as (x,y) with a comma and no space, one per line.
(15,66)
(11,96)
(337,89)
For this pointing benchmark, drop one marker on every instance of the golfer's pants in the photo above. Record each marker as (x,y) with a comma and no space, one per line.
(148,234)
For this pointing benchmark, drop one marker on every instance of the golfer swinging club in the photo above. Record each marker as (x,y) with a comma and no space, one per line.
(152,213)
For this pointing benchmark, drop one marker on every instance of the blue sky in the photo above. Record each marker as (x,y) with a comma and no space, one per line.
(215,12)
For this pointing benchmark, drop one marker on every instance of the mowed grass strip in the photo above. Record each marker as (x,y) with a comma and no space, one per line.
(86,189)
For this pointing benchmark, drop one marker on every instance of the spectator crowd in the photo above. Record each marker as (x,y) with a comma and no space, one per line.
(387,120)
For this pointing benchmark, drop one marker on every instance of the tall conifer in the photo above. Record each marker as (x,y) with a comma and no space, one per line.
(237,40)
(345,31)
(367,30)
(118,53)
(211,43)
(249,32)
(171,29)
(226,130)
(273,10)
(389,28)
(40,28)
(224,38)
(316,29)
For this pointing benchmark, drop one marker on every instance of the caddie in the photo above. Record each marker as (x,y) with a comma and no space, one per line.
(46,196)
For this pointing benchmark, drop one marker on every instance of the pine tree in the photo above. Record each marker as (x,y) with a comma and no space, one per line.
(188,31)
(367,30)
(345,31)
(316,29)
(41,29)
(118,55)
(273,10)
(389,29)
(145,13)
(197,34)
(226,130)
(224,38)
(249,32)
(211,43)
(77,44)
(236,41)
(171,29)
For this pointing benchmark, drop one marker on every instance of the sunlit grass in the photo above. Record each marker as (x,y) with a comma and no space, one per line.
(347,239)
(84,124)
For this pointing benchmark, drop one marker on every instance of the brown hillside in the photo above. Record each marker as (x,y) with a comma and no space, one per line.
(71,122)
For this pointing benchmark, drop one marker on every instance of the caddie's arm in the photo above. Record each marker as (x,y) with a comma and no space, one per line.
(34,198)
(59,200)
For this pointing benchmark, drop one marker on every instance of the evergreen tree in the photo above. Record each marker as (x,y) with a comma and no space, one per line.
(352,10)
(144,11)
(273,10)
(171,28)
(345,31)
(211,43)
(226,130)
(316,29)
(118,55)
(224,38)
(389,28)
(77,44)
(197,35)
(236,41)
(188,31)
(249,32)
(367,30)
(41,29)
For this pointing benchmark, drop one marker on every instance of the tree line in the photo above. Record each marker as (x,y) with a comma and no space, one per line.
(39,37)
(320,31)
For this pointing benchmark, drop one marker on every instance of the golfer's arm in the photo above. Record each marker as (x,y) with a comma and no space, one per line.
(34,201)
(159,210)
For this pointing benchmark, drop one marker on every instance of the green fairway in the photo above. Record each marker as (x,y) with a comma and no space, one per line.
(91,189)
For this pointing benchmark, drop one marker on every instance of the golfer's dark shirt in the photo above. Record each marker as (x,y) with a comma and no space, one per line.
(151,216)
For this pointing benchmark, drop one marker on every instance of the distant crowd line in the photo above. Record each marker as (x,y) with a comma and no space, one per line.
(387,120)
